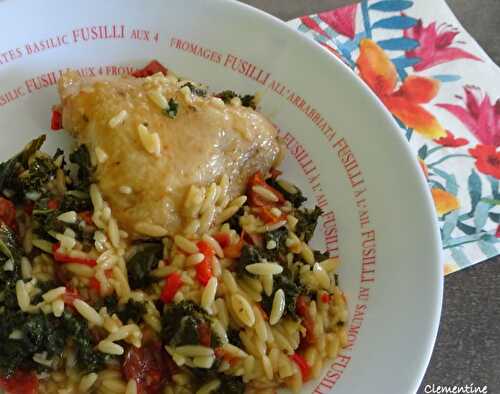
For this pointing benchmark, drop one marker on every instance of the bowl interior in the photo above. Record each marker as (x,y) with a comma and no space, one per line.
(343,148)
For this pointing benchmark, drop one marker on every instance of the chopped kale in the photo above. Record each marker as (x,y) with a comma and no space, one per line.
(172,109)
(10,251)
(308,219)
(132,311)
(180,323)
(234,221)
(46,222)
(297,198)
(41,170)
(142,263)
(87,358)
(278,236)
(226,96)
(38,333)
(203,375)
(12,168)
(291,289)
(230,385)
(81,158)
(234,337)
(110,303)
(249,255)
(248,100)
(43,286)
(321,256)
(76,200)
(198,91)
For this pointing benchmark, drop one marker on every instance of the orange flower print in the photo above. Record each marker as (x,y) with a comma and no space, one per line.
(444,201)
(405,103)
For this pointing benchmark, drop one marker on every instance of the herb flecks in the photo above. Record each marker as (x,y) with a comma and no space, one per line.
(172,109)
(247,100)
(196,90)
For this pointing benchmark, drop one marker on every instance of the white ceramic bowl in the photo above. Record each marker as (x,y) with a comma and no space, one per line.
(350,156)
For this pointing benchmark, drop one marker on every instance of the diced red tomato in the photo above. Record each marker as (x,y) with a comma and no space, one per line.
(7,212)
(204,334)
(56,120)
(224,239)
(173,283)
(86,216)
(28,207)
(302,309)
(204,269)
(64,258)
(325,298)
(20,383)
(255,199)
(53,204)
(234,251)
(150,366)
(152,68)
(305,369)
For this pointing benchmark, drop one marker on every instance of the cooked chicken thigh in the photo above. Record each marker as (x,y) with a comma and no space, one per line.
(149,152)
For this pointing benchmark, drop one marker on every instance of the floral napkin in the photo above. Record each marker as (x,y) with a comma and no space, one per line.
(443,90)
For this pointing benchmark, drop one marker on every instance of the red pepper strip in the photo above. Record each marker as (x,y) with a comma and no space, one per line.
(204,269)
(234,251)
(64,258)
(173,283)
(221,354)
(224,239)
(302,309)
(267,216)
(152,68)
(70,296)
(56,120)
(94,282)
(255,199)
(305,369)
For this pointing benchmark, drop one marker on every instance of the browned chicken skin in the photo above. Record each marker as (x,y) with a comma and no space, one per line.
(147,160)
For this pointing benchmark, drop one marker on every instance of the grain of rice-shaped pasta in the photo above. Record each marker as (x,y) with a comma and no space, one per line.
(165,255)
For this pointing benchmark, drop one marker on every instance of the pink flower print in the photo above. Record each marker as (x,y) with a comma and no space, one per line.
(342,20)
(479,115)
(435,45)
